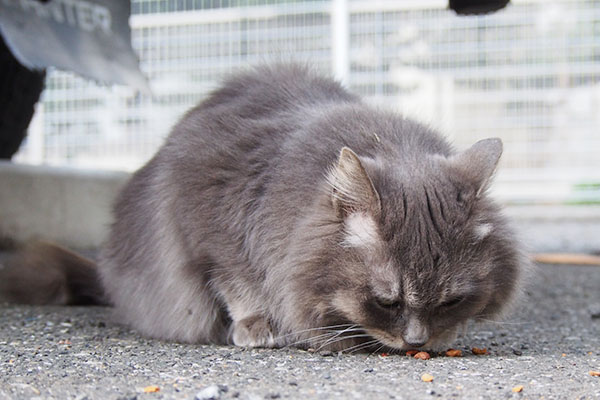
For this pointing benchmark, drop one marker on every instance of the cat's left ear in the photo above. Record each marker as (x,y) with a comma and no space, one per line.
(477,164)
(353,190)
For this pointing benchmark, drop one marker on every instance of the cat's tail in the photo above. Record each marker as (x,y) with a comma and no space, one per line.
(44,273)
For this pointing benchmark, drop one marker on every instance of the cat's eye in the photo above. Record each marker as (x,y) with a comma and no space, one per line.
(387,304)
(453,302)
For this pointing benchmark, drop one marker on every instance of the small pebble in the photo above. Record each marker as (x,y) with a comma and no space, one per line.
(212,392)
(517,352)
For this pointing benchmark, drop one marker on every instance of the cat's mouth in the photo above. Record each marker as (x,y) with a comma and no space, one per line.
(438,342)
(397,342)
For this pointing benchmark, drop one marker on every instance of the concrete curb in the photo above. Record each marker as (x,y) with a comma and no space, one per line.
(69,206)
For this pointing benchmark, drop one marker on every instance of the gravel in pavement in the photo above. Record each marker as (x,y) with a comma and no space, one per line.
(546,349)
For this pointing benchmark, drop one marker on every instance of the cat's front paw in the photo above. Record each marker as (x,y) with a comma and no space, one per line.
(253,331)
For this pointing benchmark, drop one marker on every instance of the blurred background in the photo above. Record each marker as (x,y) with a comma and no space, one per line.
(528,73)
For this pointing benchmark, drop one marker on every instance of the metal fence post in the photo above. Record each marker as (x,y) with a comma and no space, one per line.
(340,40)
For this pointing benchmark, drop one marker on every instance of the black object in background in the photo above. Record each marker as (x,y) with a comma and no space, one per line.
(20,89)
(476,7)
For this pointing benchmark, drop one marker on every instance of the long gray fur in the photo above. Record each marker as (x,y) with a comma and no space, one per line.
(234,232)
(283,210)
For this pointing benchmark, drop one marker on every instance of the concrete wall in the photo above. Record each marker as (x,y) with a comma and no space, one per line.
(68,206)
(552,228)
(72,207)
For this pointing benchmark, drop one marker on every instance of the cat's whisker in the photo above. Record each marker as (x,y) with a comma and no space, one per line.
(491,321)
(338,339)
(360,346)
(330,333)
(319,338)
(320,328)
(337,335)
(324,336)
(376,350)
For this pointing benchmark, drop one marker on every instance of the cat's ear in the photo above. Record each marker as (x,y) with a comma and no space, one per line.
(477,164)
(352,189)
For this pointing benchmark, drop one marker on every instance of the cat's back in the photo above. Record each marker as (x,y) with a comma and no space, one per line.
(265,94)
(270,89)
(231,143)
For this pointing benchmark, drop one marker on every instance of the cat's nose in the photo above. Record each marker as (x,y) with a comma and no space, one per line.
(414,344)
(416,333)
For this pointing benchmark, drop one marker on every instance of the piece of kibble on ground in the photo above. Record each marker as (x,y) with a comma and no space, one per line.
(422,355)
(453,353)
(479,351)
(427,378)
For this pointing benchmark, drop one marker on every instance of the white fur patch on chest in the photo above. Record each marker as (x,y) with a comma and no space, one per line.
(360,231)
(482,230)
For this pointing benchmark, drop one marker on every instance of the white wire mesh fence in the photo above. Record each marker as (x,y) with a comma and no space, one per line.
(529,74)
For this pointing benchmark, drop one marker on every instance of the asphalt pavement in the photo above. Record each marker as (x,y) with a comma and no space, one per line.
(546,349)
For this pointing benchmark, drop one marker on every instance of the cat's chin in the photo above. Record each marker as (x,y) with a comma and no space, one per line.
(440,342)
(388,340)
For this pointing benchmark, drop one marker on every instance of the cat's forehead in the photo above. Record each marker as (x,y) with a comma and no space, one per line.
(422,290)
(428,177)
(417,216)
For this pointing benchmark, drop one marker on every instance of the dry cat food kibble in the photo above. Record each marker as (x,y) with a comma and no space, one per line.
(427,378)
(594,373)
(422,355)
(518,389)
(479,352)
(151,389)
(453,353)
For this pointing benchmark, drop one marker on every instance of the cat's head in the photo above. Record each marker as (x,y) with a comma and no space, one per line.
(420,250)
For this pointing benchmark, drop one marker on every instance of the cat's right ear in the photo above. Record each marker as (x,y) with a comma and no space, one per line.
(477,164)
(352,189)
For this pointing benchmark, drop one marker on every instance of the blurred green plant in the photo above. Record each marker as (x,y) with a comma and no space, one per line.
(585,193)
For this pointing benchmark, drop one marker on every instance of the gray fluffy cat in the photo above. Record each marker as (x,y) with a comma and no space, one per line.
(285,211)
